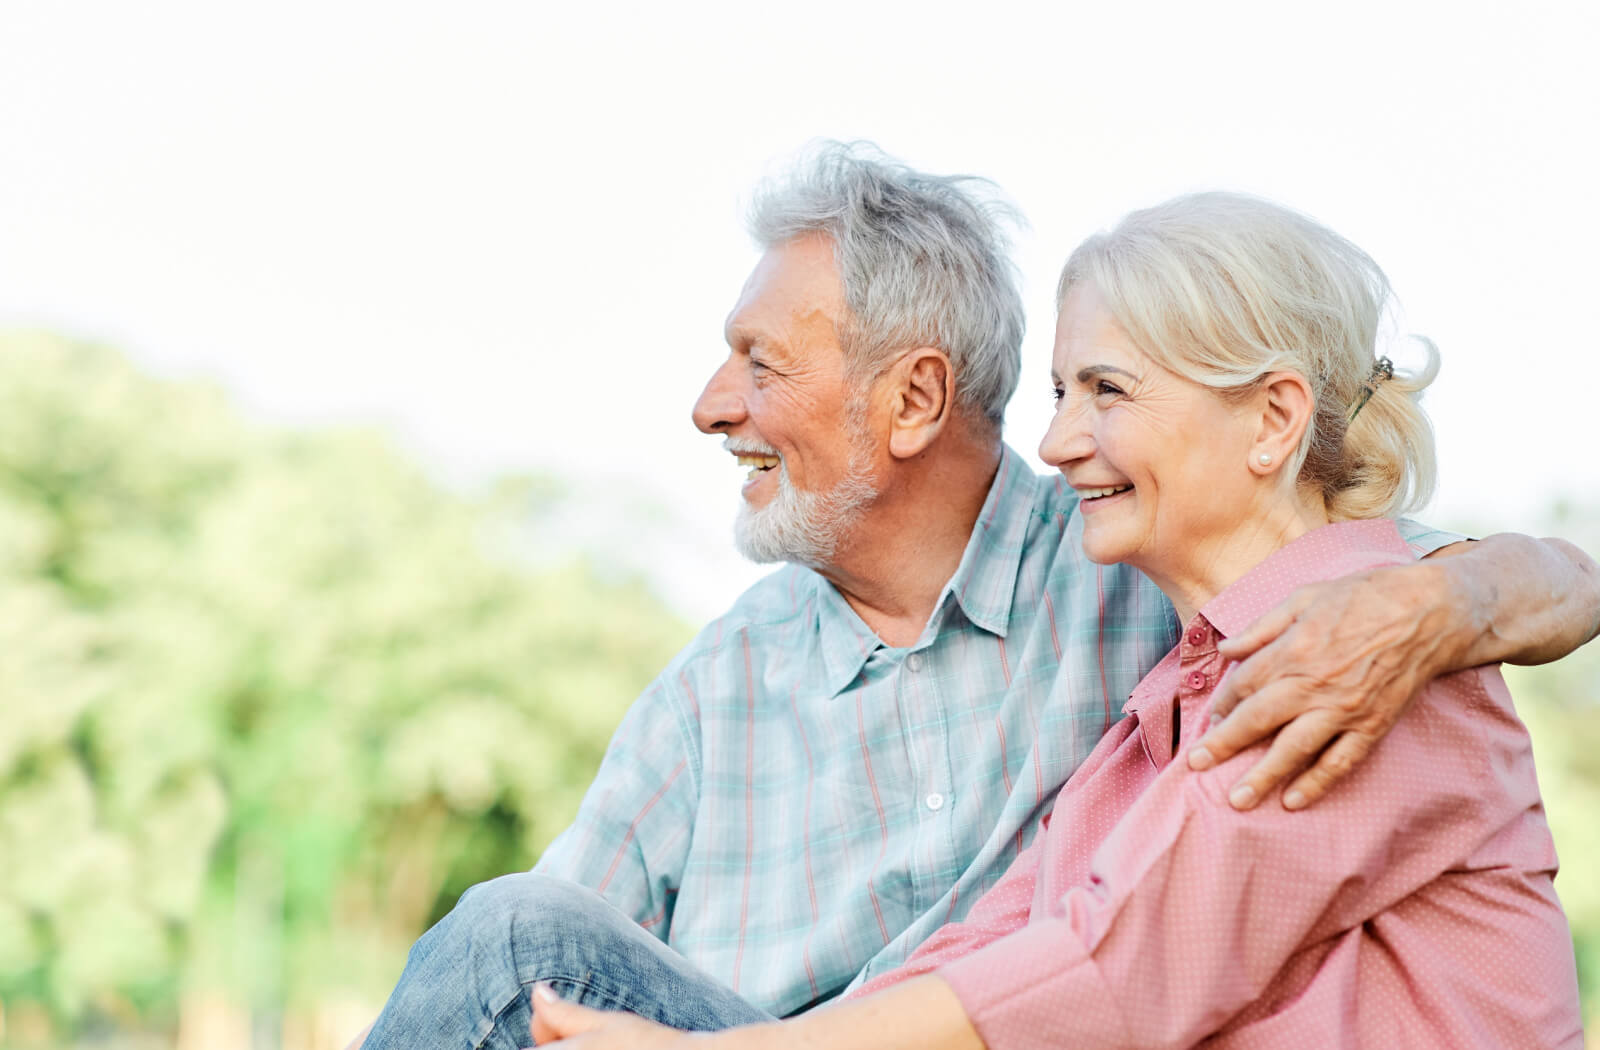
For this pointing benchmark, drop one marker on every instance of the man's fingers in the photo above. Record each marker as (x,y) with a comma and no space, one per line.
(1338,760)
(1237,685)
(1264,630)
(1256,649)
(1293,748)
(1259,714)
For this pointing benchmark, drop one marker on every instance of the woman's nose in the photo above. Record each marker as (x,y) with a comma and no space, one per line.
(1068,438)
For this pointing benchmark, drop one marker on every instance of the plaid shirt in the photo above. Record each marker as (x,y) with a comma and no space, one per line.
(795,806)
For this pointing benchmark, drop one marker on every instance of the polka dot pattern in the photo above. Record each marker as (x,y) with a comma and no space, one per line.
(1414,906)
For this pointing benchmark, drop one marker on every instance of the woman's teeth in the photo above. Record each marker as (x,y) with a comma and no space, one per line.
(1099,493)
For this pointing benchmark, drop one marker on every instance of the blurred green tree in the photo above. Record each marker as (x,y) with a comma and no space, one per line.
(272,700)
(1560,703)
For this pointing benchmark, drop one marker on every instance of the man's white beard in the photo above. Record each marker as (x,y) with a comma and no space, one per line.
(805,527)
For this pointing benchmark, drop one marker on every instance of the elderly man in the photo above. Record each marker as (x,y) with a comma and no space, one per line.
(857,750)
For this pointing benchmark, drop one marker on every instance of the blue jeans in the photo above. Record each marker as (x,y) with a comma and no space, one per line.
(467,980)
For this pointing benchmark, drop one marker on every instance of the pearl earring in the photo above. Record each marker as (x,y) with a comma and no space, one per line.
(1264,459)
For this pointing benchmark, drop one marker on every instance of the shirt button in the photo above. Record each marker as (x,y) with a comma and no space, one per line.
(934,801)
(1197,680)
(1197,636)
(914,663)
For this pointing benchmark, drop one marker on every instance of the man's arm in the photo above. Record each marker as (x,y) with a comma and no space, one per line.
(1338,663)
(629,841)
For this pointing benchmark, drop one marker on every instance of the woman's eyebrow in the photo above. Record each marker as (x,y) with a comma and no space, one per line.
(1091,371)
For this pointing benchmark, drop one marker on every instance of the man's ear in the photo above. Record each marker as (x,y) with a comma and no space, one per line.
(921,388)
(1286,407)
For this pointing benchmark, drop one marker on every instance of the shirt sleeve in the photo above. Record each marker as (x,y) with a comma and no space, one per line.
(630,839)
(1192,908)
(1424,539)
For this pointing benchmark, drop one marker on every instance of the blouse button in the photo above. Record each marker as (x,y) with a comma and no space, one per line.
(1197,680)
(1197,636)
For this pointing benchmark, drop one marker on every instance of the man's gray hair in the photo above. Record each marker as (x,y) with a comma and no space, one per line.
(925,261)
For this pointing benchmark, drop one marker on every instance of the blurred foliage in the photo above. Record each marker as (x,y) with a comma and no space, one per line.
(1560,703)
(271,700)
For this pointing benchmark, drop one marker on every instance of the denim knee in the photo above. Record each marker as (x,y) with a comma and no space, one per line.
(466,982)
(532,924)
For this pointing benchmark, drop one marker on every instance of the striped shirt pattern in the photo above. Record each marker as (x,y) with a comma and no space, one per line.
(794,806)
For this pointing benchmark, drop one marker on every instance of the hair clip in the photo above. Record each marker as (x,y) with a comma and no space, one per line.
(1382,369)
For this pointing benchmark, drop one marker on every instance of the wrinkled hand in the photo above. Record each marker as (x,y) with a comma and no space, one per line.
(1335,666)
(581,1028)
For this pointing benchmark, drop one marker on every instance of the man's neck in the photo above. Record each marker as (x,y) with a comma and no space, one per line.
(893,569)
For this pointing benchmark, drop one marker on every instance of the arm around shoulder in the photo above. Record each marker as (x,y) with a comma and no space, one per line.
(1521,600)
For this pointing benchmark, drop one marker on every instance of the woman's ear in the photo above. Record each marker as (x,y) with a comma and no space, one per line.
(921,388)
(1286,407)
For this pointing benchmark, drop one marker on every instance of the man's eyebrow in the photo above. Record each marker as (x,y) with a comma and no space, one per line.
(1089,372)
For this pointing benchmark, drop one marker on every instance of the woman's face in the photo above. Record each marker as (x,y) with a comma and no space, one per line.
(1160,462)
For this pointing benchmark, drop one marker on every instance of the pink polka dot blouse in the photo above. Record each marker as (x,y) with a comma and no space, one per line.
(1412,907)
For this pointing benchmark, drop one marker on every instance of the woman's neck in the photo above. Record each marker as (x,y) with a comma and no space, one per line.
(1201,568)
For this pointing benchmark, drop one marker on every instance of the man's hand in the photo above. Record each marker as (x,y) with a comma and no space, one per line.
(1338,663)
(1335,666)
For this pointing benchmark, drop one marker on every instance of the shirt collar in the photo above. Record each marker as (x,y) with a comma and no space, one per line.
(1322,554)
(986,579)
(982,584)
(845,641)
(1158,687)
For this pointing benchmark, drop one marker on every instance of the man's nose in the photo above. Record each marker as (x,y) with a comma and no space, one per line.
(721,404)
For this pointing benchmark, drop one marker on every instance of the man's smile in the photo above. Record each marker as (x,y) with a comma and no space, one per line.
(758,464)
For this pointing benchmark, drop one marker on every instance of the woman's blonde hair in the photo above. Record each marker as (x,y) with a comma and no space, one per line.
(1223,288)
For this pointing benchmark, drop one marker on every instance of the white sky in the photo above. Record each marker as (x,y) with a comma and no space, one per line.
(510,231)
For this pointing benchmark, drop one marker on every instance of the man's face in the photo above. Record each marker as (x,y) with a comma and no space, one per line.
(786,409)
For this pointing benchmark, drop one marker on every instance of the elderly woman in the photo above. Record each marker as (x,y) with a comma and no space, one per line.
(1231,434)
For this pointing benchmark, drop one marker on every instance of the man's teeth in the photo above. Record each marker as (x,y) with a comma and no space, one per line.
(1097,493)
(757,464)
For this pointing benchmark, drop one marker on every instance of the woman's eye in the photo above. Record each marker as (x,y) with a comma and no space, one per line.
(1057,393)
(1102,387)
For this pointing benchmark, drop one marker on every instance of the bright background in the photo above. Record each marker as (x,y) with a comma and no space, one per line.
(507,233)
(511,231)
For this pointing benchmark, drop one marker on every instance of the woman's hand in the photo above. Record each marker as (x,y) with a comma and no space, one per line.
(572,1025)
(922,1013)
(582,1028)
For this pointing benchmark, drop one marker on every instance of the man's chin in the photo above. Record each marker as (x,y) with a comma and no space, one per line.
(802,528)
(763,544)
